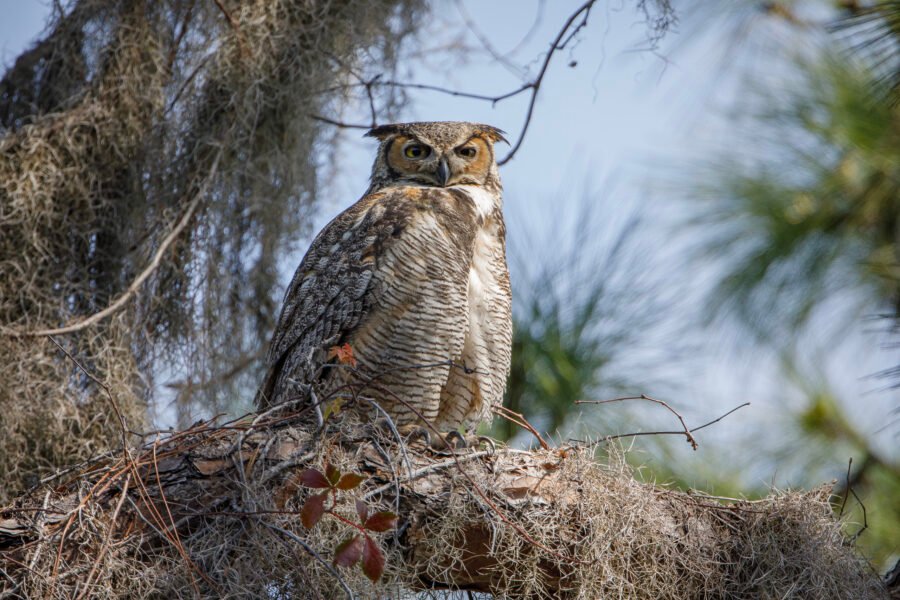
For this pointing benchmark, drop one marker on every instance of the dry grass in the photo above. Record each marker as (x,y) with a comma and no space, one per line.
(109,127)
(545,524)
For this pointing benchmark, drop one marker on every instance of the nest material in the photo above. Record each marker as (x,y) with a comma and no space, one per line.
(215,512)
(109,127)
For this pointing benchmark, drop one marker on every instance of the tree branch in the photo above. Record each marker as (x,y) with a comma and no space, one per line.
(204,503)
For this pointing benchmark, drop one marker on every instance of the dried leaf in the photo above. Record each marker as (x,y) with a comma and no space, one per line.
(313,509)
(331,408)
(348,552)
(381,521)
(362,509)
(313,478)
(372,560)
(343,354)
(348,481)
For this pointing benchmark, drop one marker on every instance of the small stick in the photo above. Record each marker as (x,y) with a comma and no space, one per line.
(312,553)
(520,420)
(687,432)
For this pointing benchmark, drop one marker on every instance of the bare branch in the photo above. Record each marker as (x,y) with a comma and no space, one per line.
(687,432)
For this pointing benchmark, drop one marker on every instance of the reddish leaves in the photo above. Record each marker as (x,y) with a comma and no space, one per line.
(348,481)
(381,521)
(333,474)
(343,354)
(313,509)
(348,552)
(355,547)
(332,478)
(362,509)
(313,478)
(372,560)
(360,545)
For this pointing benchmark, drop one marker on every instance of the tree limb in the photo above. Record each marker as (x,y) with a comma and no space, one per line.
(207,516)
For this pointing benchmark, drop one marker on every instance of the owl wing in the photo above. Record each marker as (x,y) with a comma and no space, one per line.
(364,279)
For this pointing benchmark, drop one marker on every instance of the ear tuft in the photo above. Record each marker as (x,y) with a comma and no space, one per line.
(382,131)
(492,133)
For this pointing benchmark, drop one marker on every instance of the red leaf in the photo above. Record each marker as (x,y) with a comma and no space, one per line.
(348,552)
(313,509)
(348,481)
(372,560)
(343,354)
(313,478)
(381,521)
(362,509)
(333,474)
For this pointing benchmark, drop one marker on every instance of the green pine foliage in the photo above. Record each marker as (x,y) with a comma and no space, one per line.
(817,211)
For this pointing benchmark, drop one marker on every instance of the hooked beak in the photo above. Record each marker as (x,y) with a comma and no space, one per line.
(443,172)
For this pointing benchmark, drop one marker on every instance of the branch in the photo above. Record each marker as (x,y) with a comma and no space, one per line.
(203,502)
(570,29)
(687,432)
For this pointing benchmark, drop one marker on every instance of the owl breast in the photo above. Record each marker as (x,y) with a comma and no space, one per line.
(471,392)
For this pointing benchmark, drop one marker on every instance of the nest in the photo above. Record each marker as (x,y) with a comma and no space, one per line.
(217,512)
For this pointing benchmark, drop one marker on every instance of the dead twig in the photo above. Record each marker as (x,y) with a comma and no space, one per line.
(106,541)
(520,420)
(687,432)
(294,537)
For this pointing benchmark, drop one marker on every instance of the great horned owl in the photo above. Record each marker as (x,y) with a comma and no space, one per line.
(413,277)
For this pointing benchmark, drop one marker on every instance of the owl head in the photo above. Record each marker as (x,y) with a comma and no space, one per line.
(438,153)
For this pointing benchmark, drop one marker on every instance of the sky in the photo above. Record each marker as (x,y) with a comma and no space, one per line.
(605,131)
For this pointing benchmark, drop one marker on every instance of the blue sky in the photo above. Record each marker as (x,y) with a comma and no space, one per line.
(607,129)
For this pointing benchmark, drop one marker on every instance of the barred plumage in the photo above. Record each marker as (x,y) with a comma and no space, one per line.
(413,277)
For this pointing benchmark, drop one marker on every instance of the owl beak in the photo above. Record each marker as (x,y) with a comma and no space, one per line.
(443,172)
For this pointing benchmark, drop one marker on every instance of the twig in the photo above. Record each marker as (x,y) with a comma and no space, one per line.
(109,533)
(339,123)
(687,432)
(717,419)
(39,523)
(558,44)
(426,470)
(520,420)
(563,38)
(695,429)
(105,388)
(865,517)
(847,491)
(312,553)
(396,433)
(235,26)
(139,280)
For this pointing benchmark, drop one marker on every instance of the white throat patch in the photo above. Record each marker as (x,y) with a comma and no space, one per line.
(485,202)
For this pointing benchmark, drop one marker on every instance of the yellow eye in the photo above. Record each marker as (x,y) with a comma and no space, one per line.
(467,151)
(416,151)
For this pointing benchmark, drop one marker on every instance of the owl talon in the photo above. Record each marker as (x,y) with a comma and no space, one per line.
(460,442)
(489,442)
(417,433)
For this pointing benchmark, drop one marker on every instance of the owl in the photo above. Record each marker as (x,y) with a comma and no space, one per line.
(414,278)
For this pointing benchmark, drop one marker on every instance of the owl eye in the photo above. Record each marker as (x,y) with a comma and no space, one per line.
(467,151)
(416,151)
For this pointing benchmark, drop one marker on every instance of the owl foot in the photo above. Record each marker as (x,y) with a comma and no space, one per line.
(452,440)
